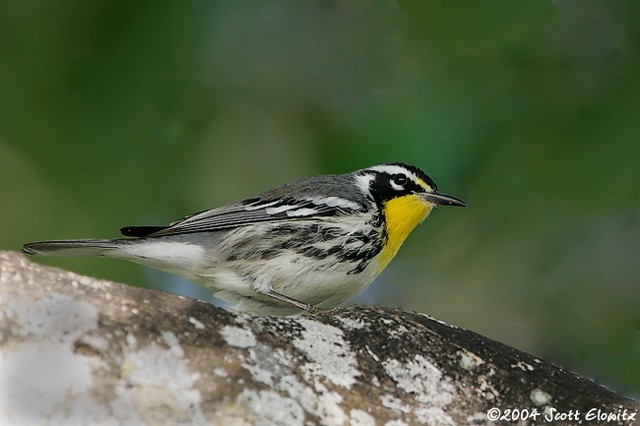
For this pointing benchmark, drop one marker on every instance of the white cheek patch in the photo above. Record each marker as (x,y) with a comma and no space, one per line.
(363,182)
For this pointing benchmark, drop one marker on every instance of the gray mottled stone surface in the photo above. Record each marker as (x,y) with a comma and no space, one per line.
(76,350)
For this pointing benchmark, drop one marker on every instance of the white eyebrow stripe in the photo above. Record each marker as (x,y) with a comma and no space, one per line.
(392,169)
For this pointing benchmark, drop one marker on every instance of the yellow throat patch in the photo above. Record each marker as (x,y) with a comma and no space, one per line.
(403,214)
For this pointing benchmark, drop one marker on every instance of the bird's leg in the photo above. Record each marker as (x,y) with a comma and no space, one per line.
(263,286)
(314,310)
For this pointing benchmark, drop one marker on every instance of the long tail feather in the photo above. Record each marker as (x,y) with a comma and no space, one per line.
(71,247)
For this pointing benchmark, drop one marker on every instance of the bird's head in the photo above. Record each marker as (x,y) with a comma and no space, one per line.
(405,195)
(388,182)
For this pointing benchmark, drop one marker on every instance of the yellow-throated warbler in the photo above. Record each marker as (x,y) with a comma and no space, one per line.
(307,245)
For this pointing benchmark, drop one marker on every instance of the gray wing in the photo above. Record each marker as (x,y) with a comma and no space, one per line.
(318,197)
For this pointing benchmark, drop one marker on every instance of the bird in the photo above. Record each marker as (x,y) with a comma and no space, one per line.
(309,245)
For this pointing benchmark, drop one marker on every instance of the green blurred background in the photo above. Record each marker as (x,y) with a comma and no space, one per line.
(118,113)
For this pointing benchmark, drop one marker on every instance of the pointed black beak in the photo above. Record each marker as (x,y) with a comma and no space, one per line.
(443,200)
